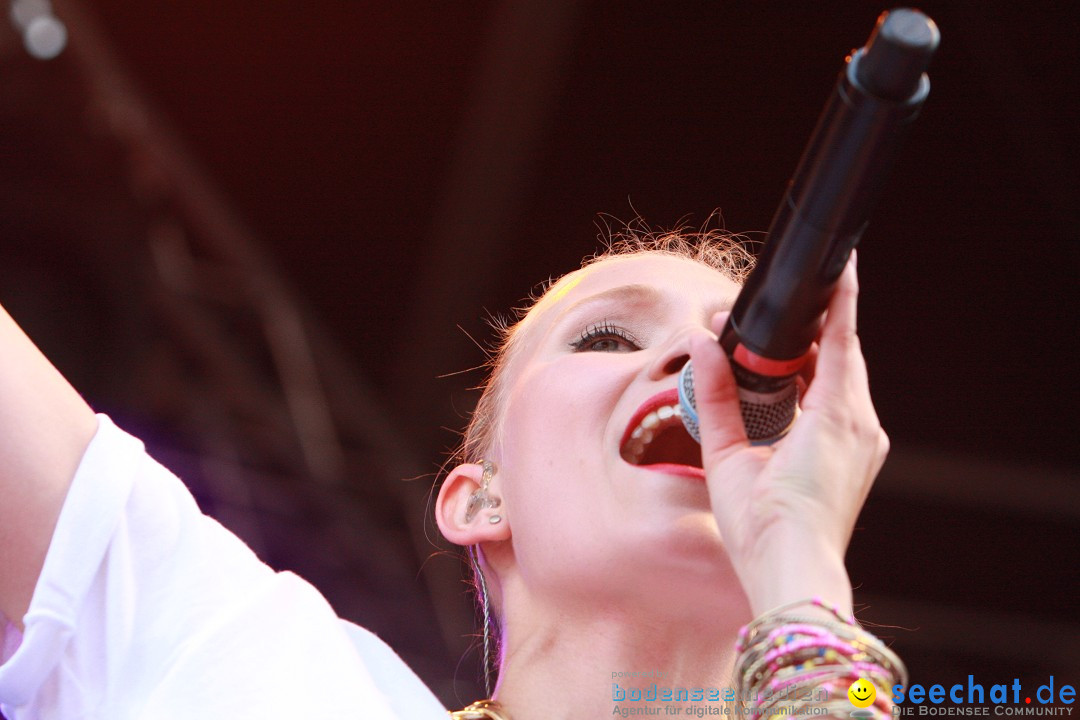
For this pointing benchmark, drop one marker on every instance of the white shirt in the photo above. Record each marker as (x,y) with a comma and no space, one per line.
(146,608)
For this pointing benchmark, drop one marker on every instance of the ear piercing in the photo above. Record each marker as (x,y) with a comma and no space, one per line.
(480,498)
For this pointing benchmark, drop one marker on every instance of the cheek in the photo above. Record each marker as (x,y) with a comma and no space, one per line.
(559,415)
(555,435)
(547,422)
(557,489)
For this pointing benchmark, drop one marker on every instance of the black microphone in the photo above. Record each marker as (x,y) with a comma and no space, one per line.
(777,315)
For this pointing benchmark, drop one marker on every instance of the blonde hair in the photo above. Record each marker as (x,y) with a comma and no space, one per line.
(721,250)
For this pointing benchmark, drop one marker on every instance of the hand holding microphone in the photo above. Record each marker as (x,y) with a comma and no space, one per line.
(777,315)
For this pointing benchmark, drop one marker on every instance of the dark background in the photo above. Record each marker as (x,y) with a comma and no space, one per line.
(265,237)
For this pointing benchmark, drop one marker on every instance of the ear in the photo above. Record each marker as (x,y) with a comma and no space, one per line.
(462,481)
(454,495)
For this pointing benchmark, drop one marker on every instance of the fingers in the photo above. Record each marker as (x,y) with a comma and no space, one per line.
(839,393)
(841,320)
(806,373)
(838,374)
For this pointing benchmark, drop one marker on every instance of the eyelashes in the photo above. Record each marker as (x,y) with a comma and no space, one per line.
(605,337)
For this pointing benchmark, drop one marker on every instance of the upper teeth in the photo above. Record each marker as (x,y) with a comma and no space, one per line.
(643,434)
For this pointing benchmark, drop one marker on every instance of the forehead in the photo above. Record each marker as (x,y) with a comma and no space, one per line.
(667,277)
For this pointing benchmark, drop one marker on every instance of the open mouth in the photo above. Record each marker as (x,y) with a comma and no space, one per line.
(656,435)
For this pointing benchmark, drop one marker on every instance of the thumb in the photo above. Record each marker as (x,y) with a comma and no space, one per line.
(719,416)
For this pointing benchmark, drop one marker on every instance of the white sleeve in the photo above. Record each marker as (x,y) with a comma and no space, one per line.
(146,608)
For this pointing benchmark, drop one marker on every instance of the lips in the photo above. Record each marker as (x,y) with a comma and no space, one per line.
(656,438)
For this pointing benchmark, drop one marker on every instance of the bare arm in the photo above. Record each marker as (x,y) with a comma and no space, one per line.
(45,427)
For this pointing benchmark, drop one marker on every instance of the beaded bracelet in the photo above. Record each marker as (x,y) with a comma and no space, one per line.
(781,651)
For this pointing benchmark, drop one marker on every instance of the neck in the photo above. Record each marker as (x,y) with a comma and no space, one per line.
(568,664)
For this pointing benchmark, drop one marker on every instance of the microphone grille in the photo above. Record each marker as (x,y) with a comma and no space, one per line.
(767,417)
(687,401)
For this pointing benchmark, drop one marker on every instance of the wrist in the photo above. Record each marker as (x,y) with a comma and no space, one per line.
(798,569)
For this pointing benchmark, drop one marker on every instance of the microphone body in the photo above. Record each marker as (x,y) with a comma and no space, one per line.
(777,315)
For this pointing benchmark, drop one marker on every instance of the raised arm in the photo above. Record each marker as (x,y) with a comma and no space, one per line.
(45,427)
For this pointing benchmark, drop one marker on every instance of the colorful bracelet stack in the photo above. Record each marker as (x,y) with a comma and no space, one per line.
(798,664)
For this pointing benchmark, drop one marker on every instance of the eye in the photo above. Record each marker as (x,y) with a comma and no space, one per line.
(605,337)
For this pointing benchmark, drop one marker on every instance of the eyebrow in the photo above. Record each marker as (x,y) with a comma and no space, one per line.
(637,294)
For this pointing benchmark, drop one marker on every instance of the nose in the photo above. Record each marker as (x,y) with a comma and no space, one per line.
(673,365)
(673,354)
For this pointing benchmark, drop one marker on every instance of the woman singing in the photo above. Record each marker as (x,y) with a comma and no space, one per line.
(620,566)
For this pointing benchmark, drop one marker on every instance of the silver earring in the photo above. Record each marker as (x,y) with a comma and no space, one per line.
(480,498)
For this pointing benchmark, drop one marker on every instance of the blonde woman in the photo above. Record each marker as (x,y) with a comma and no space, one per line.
(605,541)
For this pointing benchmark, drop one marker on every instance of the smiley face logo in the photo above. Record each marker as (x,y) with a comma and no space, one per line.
(862,693)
